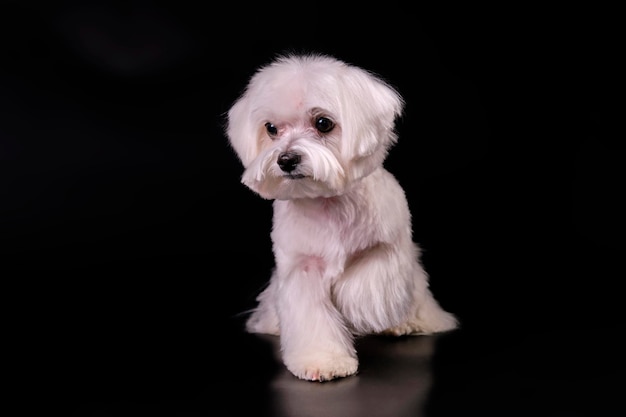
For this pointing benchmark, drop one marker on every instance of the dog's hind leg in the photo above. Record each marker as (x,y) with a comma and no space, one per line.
(428,318)
(264,318)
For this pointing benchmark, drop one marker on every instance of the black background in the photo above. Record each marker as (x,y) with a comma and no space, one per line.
(129,246)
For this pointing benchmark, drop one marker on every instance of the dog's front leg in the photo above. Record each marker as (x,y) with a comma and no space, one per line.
(315,342)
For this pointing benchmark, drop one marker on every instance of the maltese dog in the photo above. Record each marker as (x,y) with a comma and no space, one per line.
(312,133)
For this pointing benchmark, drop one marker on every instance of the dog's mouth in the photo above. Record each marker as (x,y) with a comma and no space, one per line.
(294,176)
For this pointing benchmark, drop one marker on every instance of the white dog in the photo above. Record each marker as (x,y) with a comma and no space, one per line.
(312,133)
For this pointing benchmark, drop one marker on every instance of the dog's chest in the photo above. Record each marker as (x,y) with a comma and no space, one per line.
(320,225)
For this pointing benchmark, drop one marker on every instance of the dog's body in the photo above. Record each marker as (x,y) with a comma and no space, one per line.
(312,133)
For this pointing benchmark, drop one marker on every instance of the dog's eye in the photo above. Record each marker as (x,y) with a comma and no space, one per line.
(324,124)
(271,129)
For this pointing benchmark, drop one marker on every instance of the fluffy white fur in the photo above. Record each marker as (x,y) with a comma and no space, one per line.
(312,133)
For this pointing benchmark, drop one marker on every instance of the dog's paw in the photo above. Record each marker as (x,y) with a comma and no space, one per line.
(442,322)
(401,330)
(322,367)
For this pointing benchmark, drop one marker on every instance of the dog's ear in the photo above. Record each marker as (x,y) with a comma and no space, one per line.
(370,107)
(241,131)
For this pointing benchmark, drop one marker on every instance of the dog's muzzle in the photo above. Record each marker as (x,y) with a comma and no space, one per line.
(288,161)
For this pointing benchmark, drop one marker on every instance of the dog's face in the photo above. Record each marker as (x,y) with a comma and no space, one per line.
(309,126)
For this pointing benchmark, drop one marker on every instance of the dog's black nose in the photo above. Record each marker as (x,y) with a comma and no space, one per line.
(288,161)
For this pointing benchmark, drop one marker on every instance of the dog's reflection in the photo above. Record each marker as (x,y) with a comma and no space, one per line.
(394,380)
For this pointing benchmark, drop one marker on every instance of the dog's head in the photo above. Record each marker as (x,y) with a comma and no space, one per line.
(310,125)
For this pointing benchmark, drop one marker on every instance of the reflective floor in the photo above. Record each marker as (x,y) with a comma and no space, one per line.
(395,379)
(146,366)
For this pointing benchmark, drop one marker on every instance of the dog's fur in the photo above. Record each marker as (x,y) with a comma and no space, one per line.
(312,133)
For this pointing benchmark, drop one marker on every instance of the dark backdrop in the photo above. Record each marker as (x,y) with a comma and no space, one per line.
(124,229)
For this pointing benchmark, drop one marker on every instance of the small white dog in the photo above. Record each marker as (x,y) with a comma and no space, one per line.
(312,133)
